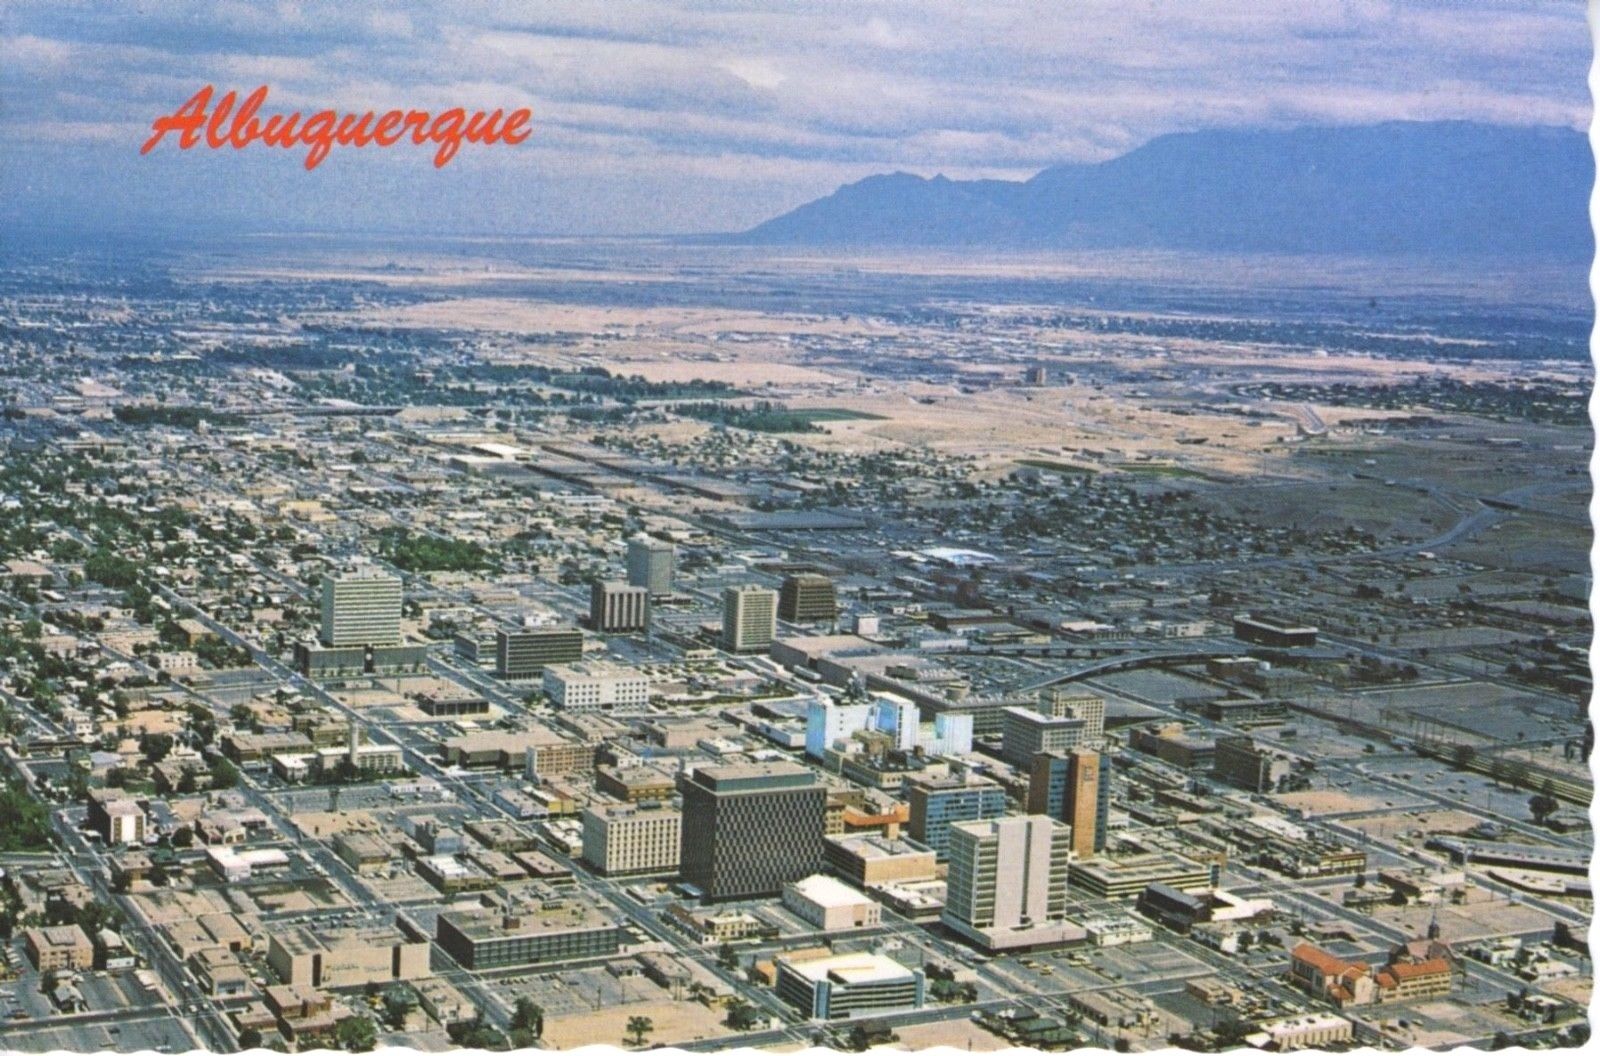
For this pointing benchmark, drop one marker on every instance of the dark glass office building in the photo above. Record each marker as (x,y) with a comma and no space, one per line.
(750,829)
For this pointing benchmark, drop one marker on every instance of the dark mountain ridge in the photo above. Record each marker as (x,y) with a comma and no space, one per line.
(1421,188)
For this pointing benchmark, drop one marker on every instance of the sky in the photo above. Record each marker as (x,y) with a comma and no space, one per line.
(671,116)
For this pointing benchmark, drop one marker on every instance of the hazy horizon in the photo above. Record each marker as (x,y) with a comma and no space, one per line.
(689,118)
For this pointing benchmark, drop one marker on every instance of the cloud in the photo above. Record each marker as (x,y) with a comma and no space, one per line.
(764,103)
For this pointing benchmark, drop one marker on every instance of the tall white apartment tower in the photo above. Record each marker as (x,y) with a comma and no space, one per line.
(361,608)
(1007,873)
(749,618)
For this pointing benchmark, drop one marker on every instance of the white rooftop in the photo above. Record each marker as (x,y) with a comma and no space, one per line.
(828,892)
(852,969)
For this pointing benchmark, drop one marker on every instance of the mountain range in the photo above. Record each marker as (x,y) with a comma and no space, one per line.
(1425,188)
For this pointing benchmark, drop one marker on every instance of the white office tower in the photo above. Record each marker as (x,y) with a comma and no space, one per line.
(828,722)
(952,735)
(361,608)
(651,564)
(749,618)
(1008,880)
(899,718)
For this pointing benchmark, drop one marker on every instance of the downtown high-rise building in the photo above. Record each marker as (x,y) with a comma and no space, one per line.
(361,608)
(1064,702)
(652,564)
(749,618)
(1007,876)
(525,652)
(1074,787)
(808,597)
(939,803)
(1026,732)
(749,829)
(617,608)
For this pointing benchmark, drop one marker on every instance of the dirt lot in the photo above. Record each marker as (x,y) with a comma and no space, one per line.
(1329,801)
(956,1033)
(1432,822)
(675,1021)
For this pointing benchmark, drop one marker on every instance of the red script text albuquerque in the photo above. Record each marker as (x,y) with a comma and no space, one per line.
(198,123)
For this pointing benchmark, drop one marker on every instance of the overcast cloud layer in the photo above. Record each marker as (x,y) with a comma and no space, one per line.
(674,116)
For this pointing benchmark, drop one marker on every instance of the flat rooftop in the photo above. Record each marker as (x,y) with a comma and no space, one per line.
(851,969)
(547,918)
(827,892)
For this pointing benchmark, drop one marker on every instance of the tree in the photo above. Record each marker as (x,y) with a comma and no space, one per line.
(24,822)
(155,746)
(859,1039)
(1544,804)
(356,1034)
(528,1016)
(638,1027)
(224,775)
(727,957)
(398,1003)
(249,1038)
(742,1015)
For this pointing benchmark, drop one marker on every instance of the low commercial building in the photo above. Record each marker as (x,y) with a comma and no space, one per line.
(634,784)
(452,876)
(829,905)
(1247,711)
(597,686)
(444,704)
(506,837)
(1128,877)
(1312,1030)
(1172,744)
(249,748)
(1182,910)
(219,973)
(1273,630)
(537,748)
(554,929)
(1117,930)
(443,1001)
(303,957)
(1243,764)
(849,985)
(306,1016)
(713,927)
(60,948)
(235,866)
(871,859)
(363,852)
(330,662)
